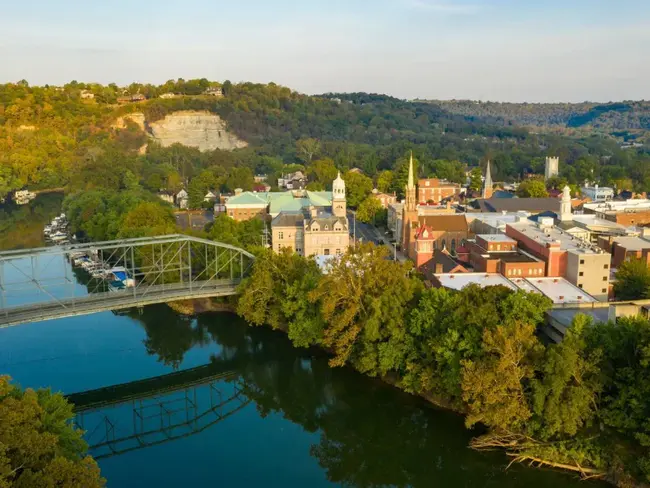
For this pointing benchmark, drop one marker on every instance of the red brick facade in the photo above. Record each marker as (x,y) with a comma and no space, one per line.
(434,190)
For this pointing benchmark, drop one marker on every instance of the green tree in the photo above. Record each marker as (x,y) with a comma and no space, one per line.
(38,444)
(306,149)
(368,209)
(357,188)
(247,233)
(565,395)
(494,385)
(323,172)
(532,188)
(476,181)
(632,280)
(148,219)
(366,317)
(385,181)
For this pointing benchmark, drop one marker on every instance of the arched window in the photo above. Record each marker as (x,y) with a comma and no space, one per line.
(453,246)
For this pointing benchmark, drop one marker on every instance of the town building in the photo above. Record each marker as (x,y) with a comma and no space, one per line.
(293,181)
(169,95)
(498,253)
(247,205)
(581,263)
(625,248)
(166,196)
(558,290)
(214,91)
(385,199)
(531,205)
(551,168)
(626,213)
(182,199)
(394,220)
(598,194)
(434,190)
(135,98)
(87,95)
(314,231)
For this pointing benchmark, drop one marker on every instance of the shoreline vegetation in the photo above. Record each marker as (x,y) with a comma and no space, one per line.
(578,406)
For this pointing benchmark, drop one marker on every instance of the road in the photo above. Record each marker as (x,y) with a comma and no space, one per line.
(369,233)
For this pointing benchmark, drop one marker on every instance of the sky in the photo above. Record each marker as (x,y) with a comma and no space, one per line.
(501,50)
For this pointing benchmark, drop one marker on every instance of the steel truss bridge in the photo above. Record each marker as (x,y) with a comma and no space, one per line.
(136,415)
(41,284)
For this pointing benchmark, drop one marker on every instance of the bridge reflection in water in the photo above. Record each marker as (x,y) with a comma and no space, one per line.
(39,284)
(130,416)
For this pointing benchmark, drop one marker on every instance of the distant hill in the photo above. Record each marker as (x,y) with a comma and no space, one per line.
(626,119)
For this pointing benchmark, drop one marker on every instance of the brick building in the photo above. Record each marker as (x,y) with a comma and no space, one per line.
(625,248)
(433,190)
(385,199)
(581,263)
(498,253)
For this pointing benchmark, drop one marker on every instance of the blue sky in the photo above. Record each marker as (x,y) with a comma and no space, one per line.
(510,50)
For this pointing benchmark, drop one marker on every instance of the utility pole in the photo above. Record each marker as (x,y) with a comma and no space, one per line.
(354,218)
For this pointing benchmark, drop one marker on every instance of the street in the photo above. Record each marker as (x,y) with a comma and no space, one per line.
(368,233)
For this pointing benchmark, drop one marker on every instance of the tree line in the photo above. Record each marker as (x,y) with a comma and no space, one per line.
(581,403)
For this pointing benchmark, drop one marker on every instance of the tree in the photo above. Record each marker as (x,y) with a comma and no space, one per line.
(368,209)
(532,188)
(357,188)
(306,149)
(38,444)
(323,172)
(363,300)
(247,233)
(494,385)
(385,181)
(148,219)
(565,394)
(632,280)
(476,181)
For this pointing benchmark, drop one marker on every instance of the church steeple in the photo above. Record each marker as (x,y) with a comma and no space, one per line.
(338,196)
(411,203)
(487,185)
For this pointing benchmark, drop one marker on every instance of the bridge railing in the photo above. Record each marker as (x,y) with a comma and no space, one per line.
(144,269)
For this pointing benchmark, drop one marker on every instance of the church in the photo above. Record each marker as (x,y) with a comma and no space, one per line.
(422,235)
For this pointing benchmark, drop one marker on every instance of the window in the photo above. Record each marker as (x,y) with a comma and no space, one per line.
(579,285)
(280,235)
(581,273)
(326,227)
(604,278)
(582,261)
(326,252)
(604,290)
(453,245)
(509,272)
(519,271)
(606,266)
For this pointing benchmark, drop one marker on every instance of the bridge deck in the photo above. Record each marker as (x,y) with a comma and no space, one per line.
(115,300)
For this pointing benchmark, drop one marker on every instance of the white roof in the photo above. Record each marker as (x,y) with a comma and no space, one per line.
(458,281)
(553,235)
(633,243)
(559,290)
(496,238)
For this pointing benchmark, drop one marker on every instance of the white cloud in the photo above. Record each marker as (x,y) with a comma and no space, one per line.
(444,7)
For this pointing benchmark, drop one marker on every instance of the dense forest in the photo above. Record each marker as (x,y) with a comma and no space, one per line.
(628,121)
(61,137)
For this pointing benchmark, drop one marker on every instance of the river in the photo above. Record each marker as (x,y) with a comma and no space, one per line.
(238,406)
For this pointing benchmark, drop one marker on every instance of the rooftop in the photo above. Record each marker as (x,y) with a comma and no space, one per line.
(496,238)
(511,257)
(558,290)
(534,205)
(635,205)
(458,281)
(632,243)
(553,236)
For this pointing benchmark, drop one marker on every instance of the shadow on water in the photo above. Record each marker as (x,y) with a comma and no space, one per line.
(370,434)
(21,226)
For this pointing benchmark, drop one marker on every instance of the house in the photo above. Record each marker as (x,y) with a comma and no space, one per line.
(442,262)
(86,95)
(167,96)
(210,196)
(384,199)
(138,97)
(23,197)
(166,196)
(293,181)
(182,199)
(214,91)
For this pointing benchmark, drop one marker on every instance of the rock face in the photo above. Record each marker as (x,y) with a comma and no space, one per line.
(203,130)
(136,117)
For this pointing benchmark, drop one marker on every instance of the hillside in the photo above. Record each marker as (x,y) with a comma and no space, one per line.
(628,120)
(85,136)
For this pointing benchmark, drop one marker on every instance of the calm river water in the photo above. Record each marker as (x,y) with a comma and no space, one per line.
(237,406)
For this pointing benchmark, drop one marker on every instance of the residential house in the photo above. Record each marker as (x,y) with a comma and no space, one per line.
(385,199)
(214,91)
(182,199)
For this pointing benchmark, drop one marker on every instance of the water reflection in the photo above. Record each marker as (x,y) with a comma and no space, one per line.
(370,435)
(21,226)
